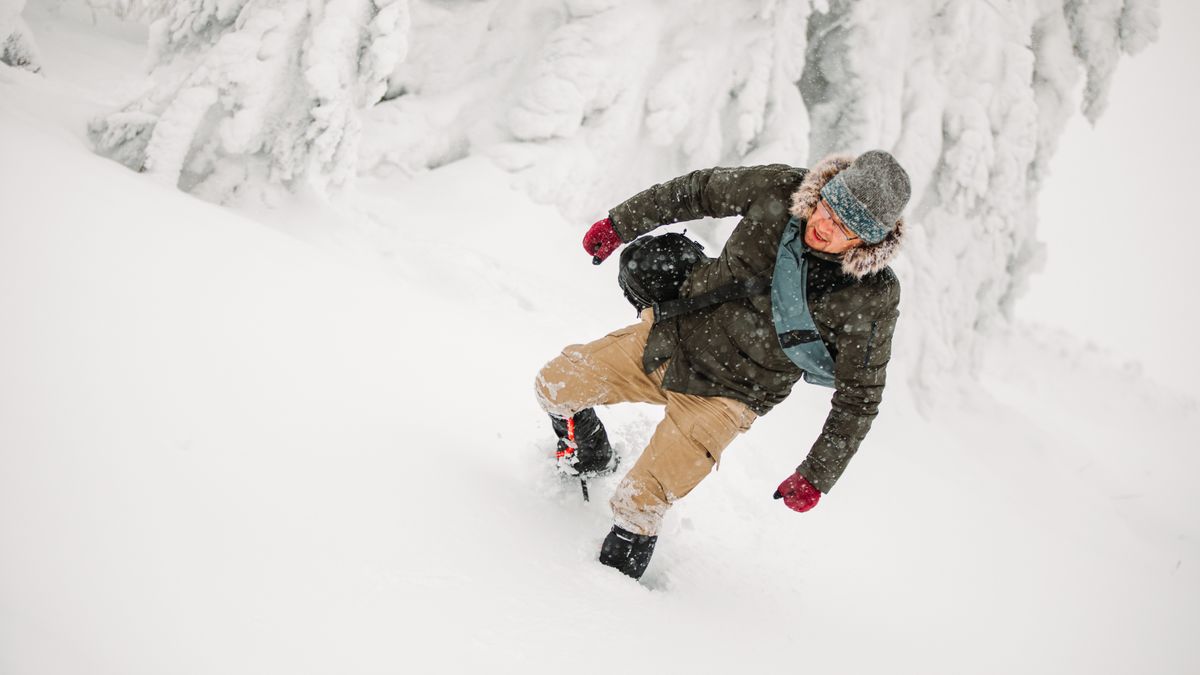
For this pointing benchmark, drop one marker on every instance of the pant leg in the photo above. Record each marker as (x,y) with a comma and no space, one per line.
(683,450)
(685,446)
(601,372)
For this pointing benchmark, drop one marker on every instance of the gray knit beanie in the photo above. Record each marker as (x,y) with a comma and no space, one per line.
(869,195)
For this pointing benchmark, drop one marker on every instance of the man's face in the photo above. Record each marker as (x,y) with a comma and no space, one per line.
(826,233)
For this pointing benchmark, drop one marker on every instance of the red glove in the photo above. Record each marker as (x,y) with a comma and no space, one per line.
(601,240)
(798,493)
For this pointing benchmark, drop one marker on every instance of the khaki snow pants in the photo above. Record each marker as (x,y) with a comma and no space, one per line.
(686,445)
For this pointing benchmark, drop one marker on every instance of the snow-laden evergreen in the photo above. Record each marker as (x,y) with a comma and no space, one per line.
(17,45)
(247,93)
(563,93)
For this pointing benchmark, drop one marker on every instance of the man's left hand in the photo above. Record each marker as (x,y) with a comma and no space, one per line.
(798,493)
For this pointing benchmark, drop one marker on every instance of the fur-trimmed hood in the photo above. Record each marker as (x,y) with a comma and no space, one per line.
(859,261)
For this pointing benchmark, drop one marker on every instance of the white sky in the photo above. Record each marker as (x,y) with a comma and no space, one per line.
(1121,208)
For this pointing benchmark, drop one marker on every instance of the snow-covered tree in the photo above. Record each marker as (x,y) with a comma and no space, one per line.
(585,99)
(256,92)
(17,46)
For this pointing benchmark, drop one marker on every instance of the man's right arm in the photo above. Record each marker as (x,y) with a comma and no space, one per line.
(713,193)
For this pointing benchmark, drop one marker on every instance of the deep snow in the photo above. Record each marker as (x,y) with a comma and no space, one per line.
(304,440)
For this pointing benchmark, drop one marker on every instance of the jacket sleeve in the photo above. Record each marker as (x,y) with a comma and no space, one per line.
(864,347)
(715,193)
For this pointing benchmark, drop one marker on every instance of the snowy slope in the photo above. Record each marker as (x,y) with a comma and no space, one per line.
(305,442)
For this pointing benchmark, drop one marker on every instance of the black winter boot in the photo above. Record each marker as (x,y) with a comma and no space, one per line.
(593,453)
(627,552)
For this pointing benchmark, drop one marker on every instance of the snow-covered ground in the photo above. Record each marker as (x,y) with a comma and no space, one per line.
(304,441)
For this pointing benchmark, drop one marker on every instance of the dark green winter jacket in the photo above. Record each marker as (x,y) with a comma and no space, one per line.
(732,349)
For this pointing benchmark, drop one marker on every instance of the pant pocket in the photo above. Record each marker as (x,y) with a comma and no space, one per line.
(712,439)
(716,431)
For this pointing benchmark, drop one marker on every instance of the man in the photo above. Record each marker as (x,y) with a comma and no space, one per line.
(824,237)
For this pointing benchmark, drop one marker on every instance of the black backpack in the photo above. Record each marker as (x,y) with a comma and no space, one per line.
(654,267)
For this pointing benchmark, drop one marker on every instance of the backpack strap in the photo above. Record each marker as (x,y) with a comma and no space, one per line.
(734,291)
